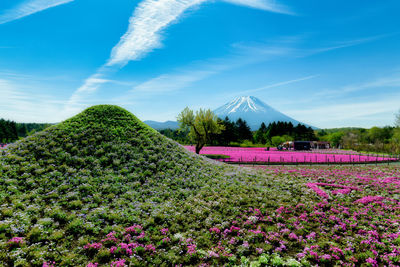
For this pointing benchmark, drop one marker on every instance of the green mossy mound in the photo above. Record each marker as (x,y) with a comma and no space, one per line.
(102,140)
(104,170)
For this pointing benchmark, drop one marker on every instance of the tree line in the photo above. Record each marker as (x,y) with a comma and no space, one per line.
(273,134)
(10,131)
(203,127)
(376,139)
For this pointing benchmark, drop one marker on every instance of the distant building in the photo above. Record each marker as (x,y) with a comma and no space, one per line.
(302,145)
(320,145)
(297,145)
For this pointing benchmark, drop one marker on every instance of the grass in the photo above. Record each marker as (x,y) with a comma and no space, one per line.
(216,156)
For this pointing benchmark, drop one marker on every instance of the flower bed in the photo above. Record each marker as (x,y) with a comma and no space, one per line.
(261,155)
(352,220)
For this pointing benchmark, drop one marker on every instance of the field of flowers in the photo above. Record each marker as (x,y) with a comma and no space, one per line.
(261,155)
(349,217)
(103,189)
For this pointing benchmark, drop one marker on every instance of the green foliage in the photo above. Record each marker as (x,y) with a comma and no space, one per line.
(178,135)
(261,134)
(397,119)
(203,125)
(376,139)
(104,170)
(25,129)
(216,156)
(297,133)
(243,130)
(8,131)
(277,140)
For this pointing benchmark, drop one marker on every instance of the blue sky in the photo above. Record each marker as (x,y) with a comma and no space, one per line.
(331,63)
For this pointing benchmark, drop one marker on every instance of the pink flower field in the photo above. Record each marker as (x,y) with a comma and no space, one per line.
(260,154)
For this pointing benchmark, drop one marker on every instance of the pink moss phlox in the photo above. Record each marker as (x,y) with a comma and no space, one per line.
(372,261)
(110,237)
(339,186)
(150,248)
(191,248)
(118,263)
(293,236)
(369,199)
(215,230)
(93,246)
(317,190)
(136,228)
(113,249)
(16,240)
(259,154)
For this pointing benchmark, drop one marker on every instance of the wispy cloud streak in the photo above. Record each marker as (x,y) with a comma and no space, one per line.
(279,84)
(266,5)
(145,27)
(22,104)
(29,7)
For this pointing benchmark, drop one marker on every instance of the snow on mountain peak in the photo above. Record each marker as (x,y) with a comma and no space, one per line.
(252,110)
(244,104)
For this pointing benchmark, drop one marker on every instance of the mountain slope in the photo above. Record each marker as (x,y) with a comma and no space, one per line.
(163,125)
(104,170)
(253,110)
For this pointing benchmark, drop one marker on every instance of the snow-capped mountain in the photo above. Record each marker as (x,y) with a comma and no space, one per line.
(253,111)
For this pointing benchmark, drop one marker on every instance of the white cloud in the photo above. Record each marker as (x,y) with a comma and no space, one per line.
(90,85)
(144,34)
(20,104)
(172,82)
(145,27)
(277,84)
(354,114)
(383,82)
(266,5)
(29,7)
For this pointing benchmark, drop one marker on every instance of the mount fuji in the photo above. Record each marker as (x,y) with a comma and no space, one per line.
(253,111)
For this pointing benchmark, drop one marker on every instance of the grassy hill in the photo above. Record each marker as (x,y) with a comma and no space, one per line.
(68,187)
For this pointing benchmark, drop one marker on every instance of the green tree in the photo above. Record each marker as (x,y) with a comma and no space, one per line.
(202,126)
(335,138)
(277,140)
(396,136)
(397,120)
(261,134)
(243,129)
(228,134)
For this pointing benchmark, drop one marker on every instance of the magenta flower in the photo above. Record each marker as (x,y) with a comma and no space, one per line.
(94,246)
(17,240)
(293,236)
(118,263)
(150,248)
(215,230)
(372,262)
